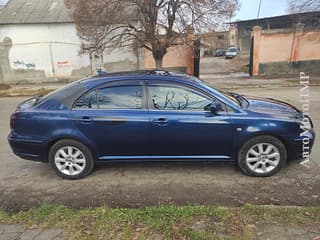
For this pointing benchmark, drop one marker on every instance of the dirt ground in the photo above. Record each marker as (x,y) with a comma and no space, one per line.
(233,73)
(25,184)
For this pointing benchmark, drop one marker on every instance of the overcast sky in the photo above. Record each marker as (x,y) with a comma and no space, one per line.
(249,8)
(3,2)
(269,8)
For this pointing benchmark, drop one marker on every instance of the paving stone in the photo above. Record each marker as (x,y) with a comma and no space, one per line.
(49,234)
(9,236)
(267,232)
(300,237)
(59,238)
(275,232)
(12,228)
(29,234)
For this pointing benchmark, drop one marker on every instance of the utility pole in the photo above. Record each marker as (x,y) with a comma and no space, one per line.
(259,8)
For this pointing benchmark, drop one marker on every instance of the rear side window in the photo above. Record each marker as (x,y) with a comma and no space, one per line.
(120,97)
(117,97)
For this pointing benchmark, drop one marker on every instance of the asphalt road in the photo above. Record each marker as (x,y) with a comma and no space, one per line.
(25,184)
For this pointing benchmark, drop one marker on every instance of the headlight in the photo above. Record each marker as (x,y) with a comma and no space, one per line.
(305,124)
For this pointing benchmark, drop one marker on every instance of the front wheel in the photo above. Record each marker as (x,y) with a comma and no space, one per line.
(71,159)
(262,156)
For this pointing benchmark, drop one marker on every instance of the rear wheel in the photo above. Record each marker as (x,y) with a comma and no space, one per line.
(71,159)
(262,156)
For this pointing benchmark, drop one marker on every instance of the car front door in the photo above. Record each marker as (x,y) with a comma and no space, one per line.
(182,126)
(114,119)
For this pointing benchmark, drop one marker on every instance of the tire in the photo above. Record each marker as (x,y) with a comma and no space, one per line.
(254,160)
(71,159)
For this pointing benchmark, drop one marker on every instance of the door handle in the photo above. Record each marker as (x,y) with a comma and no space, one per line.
(86,120)
(160,121)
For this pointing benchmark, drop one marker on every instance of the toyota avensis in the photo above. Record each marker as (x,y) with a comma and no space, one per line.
(155,116)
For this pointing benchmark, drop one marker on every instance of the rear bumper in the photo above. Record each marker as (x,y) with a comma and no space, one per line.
(301,146)
(28,148)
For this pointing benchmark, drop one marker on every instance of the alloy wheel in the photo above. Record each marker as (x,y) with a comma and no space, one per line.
(263,158)
(70,160)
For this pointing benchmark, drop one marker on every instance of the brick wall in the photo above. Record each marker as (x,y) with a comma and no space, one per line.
(178,58)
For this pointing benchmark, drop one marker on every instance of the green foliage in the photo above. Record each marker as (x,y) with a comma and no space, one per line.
(164,222)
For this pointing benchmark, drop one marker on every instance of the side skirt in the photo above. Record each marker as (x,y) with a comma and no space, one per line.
(187,158)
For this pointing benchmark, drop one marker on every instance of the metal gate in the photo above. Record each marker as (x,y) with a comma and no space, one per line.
(251,56)
(196,59)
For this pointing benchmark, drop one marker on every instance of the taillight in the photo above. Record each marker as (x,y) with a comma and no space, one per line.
(12,121)
(13,118)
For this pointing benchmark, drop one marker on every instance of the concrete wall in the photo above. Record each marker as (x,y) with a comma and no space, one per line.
(285,51)
(42,52)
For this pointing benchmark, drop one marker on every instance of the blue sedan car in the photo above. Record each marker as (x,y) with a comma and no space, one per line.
(155,116)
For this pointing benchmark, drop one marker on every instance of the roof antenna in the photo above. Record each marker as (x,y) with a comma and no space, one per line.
(101,72)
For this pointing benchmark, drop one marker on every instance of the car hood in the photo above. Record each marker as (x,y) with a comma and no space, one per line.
(273,107)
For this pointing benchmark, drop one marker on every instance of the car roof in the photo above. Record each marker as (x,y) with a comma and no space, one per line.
(68,94)
(143,74)
(138,75)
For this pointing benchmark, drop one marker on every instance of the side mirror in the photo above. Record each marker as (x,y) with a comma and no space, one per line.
(214,107)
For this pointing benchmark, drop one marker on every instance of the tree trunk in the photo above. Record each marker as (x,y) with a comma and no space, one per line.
(158,62)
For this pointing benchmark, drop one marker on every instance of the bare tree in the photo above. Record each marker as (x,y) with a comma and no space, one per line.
(94,21)
(155,25)
(298,6)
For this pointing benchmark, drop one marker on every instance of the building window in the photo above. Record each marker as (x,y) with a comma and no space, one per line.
(220,37)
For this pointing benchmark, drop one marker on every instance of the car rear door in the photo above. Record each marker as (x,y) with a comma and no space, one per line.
(114,119)
(182,128)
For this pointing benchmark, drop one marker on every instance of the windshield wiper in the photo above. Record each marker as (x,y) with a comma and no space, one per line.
(241,99)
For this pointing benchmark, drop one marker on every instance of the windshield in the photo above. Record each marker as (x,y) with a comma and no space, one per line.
(237,99)
(232,97)
(232,50)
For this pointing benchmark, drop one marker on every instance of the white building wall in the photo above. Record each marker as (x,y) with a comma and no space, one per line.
(53,49)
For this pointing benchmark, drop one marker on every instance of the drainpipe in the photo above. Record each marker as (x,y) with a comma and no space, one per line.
(295,47)
(52,62)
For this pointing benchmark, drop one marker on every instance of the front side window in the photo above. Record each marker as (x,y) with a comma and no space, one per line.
(87,101)
(117,97)
(177,98)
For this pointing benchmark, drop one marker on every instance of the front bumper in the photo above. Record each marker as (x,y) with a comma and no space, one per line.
(301,147)
(28,148)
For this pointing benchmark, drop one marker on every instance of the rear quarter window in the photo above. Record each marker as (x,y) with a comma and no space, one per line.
(116,97)
(62,98)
